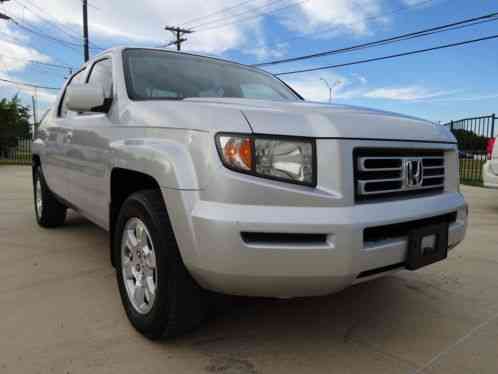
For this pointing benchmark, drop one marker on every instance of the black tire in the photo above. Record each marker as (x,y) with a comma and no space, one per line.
(53,213)
(179,302)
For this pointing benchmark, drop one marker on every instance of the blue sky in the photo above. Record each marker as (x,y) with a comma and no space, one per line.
(440,86)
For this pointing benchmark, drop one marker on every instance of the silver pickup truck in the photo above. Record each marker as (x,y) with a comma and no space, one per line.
(214,176)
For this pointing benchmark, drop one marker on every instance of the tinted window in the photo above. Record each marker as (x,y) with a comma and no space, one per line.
(77,78)
(45,117)
(152,74)
(258,91)
(101,74)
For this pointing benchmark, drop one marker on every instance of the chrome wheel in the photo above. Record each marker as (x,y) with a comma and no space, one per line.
(138,265)
(38,197)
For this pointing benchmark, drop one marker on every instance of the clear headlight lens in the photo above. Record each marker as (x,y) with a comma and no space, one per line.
(281,158)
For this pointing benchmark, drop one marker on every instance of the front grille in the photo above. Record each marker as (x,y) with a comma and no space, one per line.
(383,173)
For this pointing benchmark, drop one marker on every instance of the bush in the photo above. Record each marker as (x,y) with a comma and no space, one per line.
(14,123)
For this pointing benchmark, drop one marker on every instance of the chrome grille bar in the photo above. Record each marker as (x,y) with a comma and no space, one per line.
(382,172)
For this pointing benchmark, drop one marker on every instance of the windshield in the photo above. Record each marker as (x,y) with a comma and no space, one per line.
(156,75)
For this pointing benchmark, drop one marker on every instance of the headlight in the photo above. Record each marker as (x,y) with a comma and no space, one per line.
(287,159)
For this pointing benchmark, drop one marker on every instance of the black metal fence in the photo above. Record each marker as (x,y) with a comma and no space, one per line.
(474,136)
(16,152)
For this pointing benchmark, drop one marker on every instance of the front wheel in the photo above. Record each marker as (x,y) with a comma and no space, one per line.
(49,211)
(160,297)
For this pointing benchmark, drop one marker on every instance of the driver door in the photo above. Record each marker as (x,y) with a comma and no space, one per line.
(89,152)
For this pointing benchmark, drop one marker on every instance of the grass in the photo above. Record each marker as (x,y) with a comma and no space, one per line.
(20,157)
(15,162)
(471,172)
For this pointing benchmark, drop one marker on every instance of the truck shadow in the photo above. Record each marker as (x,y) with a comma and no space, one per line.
(253,327)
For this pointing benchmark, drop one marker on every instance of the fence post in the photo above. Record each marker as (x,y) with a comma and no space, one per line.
(451,125)
(493,118)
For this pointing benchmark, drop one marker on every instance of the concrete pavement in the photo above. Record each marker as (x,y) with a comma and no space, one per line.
(61,312)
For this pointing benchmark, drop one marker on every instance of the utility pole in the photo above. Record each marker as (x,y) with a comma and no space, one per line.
(85,30)
(178,33)
(35,122)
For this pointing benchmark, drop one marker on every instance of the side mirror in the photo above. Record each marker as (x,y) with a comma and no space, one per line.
(85,98)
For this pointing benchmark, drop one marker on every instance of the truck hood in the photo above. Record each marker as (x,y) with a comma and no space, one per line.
(319,120)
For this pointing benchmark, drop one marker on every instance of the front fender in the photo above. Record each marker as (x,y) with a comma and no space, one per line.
(181,161)
(180,164)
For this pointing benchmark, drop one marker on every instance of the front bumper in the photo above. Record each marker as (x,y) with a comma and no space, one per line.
(490,179)
(222,261)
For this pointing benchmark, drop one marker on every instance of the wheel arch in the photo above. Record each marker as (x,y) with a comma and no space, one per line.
(123,183)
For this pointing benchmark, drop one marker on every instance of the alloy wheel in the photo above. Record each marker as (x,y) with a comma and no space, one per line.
(138,265)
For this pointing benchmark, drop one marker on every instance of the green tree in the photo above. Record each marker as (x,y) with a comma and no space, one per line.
(470,141)
(14,123)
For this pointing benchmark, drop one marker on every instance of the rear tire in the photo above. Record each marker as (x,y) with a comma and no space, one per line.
(177,303)
(49,211)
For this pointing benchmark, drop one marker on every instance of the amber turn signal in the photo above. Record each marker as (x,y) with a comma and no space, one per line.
(237,151)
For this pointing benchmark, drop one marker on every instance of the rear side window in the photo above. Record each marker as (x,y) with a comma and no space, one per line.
(101,75)
(77,78)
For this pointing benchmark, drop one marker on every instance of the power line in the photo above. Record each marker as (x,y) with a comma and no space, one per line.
(336,27)
(66,67)
(66,43)
(253,16)
(19,43)
(45,17)
(234,16)
(388,57)
(54,39)
(24,84)
(417,34)
(220,11)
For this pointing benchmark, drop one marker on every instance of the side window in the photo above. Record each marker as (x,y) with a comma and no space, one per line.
(63,111)
(259,91)
(101,74)
(44,119)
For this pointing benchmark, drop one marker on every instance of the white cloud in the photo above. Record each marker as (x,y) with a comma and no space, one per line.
(143,21)
(355,86)
(414,2)
(409,93)
(478,97)
(337,16)
(14,57)
(362,79)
